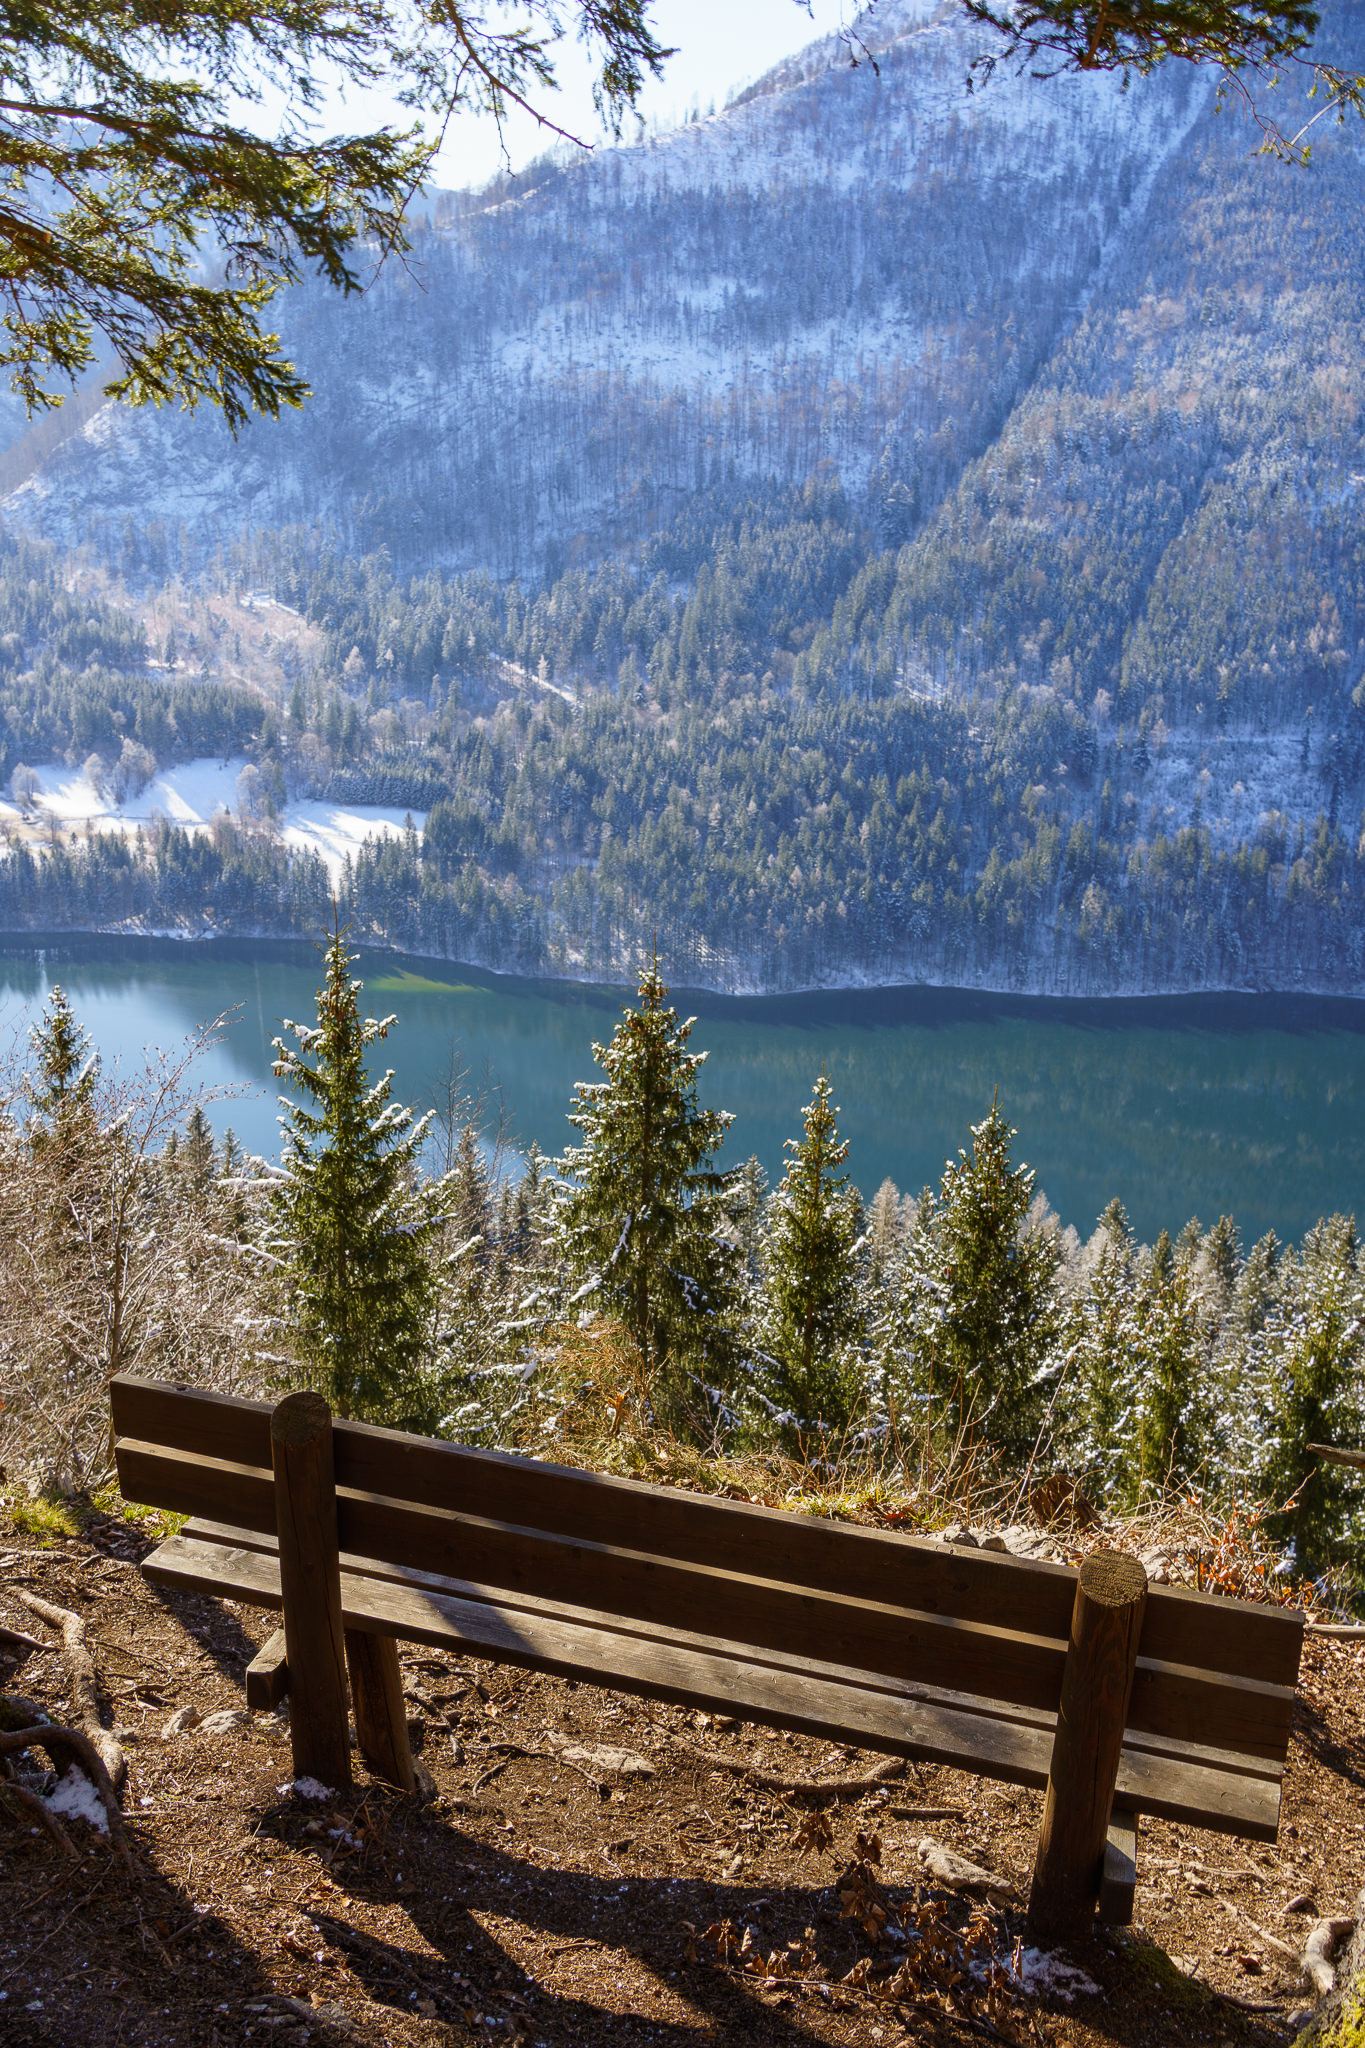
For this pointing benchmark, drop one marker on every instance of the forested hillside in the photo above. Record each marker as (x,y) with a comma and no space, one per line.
(874,534)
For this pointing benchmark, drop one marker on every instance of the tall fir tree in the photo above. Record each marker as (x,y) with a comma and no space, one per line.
(1317,1390)
(642,1219)
(67,1067)
(994,1311)
(352,1222)
(1166,1389)
(814,1313)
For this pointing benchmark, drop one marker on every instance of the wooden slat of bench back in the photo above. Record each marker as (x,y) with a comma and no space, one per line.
(1030,1599)
(873,1635)
(1243,1763)
(1196,1788)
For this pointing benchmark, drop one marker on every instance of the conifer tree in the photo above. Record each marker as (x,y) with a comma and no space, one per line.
(1167,1393)
(642,1219)
(67,1065)
(352,1225)
(1318,1378)
(813,1311)
(1099,1346)
(994,1313)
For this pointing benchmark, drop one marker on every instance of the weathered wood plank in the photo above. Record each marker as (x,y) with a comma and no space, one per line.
(1013,1752)
(1255,1762)
(895,1641)
(1181,1627)
(267,1675)
(1333,1456)
(1001,1666)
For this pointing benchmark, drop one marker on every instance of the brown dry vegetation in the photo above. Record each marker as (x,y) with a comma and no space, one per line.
(538,1900)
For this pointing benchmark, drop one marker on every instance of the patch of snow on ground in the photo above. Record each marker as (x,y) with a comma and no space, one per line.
(305,1788)
(1046,1975)
(337,830)
(77,1798)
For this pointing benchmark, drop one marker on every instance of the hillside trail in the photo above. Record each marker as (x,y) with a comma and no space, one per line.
(594,1868)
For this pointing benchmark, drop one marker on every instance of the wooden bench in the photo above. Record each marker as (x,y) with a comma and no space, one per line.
(1118,1699)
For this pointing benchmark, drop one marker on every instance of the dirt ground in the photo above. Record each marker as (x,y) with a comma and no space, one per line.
(536,1899)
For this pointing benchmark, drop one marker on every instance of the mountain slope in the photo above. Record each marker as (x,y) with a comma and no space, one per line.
(876,533)
(848,268)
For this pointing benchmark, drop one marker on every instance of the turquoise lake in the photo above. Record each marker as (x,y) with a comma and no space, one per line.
(1253,1106)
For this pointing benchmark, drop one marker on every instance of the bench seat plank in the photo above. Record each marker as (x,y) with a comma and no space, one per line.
(725,1677)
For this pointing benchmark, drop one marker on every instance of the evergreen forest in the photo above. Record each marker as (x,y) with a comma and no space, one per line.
(640,1288)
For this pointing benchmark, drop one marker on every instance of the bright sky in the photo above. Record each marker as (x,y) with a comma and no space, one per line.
(720,44)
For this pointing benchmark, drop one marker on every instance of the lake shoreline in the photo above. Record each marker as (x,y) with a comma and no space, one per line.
(1211,1104)
(595,992)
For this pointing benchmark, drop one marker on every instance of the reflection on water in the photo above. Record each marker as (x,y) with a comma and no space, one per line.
(1195,1105)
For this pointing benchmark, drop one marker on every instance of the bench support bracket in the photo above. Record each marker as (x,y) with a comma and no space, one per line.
(1118,1880)
(267,1675)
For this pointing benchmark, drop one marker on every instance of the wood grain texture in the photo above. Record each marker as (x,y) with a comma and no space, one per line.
(309,1578)
(1111,1595)
(973,1587)
(535,1568)
(267,1675)
(381,1722)
(1333,1456)
(724,1678)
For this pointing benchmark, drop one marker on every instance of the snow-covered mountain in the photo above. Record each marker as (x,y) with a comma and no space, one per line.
(852,268)
(918,535)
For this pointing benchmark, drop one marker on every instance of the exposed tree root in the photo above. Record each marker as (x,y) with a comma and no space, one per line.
(20,1641)
(77,1748)
(84,1683)
(19,1797)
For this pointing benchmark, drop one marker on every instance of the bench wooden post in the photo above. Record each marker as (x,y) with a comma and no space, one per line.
(310,1587)
(381,1722)
(1097,1684)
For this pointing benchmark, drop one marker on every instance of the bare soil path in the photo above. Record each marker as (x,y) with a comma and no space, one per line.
(550,1895)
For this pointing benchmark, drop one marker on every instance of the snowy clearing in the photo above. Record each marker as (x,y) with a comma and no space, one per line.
(336,830)
(187,795)
(191,795)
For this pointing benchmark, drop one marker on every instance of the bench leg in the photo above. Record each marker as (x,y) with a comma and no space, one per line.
(381,1723)
(267,1675)
(310,1587)
(1118,1880)
(1097,1684)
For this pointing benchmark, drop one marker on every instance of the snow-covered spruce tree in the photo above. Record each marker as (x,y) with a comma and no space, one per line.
(642,1225)
(1317,1382)
(1099,1338)
(61,1086)
(1168,1416)
(1244,1376)
(811,1319)
(352,1224)
(987,1312)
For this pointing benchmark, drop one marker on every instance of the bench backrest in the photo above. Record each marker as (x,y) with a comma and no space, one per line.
(1210,1671)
